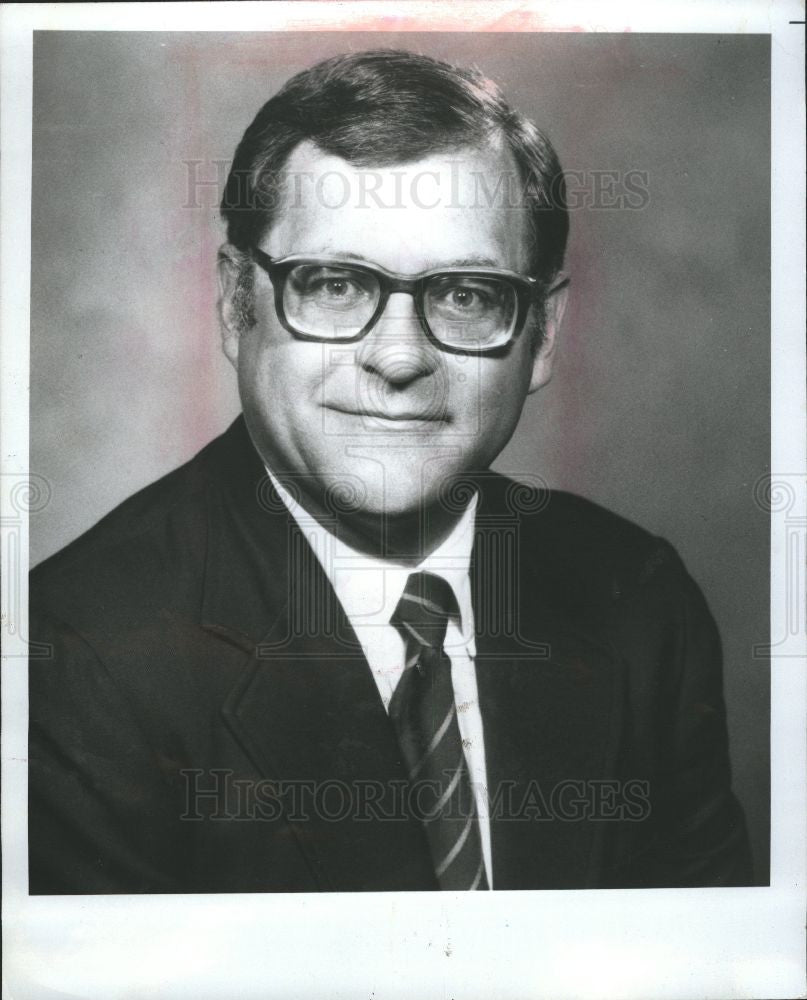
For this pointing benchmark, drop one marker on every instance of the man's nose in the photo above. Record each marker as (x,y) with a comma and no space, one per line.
(397,348)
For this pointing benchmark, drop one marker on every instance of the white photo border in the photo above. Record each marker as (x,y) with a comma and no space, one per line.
(726,943)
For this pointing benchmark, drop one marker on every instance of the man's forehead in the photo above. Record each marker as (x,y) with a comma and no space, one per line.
(470,194)
(485,176)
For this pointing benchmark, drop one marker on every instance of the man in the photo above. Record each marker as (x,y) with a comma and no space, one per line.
(333,651)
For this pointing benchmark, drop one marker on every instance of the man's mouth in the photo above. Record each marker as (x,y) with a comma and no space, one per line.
(392,416)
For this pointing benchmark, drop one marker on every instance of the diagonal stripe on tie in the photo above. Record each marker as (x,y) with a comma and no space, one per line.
(478,877)
(442,802)
(456,848)
(423,712)
(438,736)
(421,640)
(423,602)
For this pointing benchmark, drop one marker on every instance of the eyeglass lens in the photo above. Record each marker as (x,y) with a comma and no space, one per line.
(335,302)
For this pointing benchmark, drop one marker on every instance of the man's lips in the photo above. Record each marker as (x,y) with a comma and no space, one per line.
(391,416)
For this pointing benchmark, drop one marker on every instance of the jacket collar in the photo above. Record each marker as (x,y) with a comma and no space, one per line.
(247,577)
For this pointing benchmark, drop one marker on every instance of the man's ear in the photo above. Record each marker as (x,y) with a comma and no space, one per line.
(230,320)
(554,306)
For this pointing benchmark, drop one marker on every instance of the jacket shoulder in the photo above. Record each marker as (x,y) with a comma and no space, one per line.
(145,545)
(581,548)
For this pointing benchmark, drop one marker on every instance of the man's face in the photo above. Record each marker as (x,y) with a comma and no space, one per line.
(392,416)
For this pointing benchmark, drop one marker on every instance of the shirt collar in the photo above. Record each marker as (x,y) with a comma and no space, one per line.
(369,588)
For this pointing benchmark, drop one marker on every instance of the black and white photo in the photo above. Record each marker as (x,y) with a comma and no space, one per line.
(404,508)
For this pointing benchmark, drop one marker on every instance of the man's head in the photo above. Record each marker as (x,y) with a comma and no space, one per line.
(402,165)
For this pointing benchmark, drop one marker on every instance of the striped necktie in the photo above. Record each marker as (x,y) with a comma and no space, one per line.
(424,715)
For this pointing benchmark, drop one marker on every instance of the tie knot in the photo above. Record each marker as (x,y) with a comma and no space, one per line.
(423,610)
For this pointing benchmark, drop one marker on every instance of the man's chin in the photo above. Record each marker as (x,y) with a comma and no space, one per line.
(395,501)
(393,482)
(385,505)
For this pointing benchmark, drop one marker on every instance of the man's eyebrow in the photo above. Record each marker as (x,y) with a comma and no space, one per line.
(474,261)
(469,262)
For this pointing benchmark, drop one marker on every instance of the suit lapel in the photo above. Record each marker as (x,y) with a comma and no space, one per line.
(550,696)
(306,709)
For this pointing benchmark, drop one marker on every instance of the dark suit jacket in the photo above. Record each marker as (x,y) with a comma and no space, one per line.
(191,643)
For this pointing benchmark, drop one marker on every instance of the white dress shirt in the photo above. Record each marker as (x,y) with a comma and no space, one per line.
(369,590)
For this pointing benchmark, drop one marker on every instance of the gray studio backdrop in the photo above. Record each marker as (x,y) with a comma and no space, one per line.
(659,408)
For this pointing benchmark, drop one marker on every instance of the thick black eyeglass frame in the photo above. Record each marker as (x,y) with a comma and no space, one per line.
(526,289)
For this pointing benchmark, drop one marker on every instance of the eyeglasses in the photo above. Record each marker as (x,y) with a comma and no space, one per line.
(468,310)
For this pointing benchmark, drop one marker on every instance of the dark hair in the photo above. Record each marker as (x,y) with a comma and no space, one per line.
(388,107)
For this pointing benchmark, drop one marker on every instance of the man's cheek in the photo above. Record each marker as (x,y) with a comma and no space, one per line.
(466,390)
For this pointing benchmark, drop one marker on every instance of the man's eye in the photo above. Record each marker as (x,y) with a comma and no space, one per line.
(337,288)
(321,286)
(464,298)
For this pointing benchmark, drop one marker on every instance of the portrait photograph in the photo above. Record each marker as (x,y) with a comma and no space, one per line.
(408,509)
